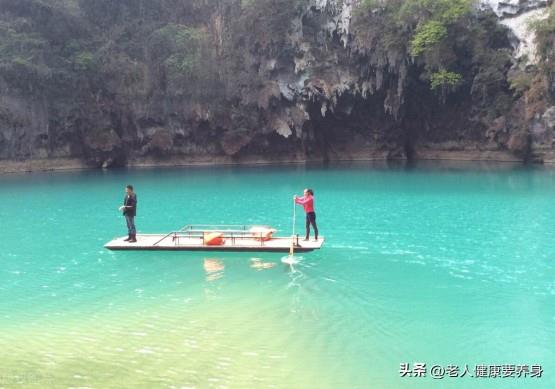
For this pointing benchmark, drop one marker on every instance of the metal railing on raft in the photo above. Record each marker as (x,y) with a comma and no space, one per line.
(229,231)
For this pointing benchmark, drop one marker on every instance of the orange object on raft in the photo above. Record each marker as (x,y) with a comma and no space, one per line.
(213,238)
(262,233)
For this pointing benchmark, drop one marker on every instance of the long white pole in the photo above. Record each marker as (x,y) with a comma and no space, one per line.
(292,248)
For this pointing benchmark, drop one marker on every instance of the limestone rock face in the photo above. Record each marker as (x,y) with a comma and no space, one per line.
(519,142)
(518,15)
(103,147)
(161,142)
(103,141)
(234,141)
(548,118)
(113,83)
(508,8)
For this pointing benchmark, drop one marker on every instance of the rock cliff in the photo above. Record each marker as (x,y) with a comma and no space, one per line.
(136,82)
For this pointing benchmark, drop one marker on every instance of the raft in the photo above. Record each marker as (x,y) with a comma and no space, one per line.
(217,238)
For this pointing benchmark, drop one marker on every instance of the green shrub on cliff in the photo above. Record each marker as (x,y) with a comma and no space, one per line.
(267,22)
(444,11)
(84,61)
(22,58)
(16,41)
(545,41)
(247,3)
(177,47)
(427,36)
(435,21)
(545,34)
(453,44)
(445,80)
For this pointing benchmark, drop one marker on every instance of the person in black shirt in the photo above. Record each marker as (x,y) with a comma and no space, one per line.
(129,209)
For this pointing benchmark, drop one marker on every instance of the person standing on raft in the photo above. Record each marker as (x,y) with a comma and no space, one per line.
(129,209)
(307,201)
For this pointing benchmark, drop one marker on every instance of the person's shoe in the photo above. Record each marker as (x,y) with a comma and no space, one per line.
(316,239)
(133,238)
(305,240)
(128,238)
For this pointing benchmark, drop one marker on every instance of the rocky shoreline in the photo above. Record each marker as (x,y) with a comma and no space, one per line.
(271,82)
(422,155)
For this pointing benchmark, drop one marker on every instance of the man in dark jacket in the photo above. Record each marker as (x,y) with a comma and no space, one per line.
(129,209)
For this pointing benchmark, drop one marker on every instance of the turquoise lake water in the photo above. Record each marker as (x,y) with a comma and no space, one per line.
(443,266)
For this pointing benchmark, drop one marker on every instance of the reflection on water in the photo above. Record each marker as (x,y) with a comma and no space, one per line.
(259,264)
(290,262)
(214,269)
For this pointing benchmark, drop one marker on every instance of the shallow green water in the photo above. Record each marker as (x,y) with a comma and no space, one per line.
(432,265)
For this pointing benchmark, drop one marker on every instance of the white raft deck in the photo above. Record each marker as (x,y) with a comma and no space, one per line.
(191,238)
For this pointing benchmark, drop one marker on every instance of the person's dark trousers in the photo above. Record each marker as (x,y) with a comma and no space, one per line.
(311,219)
(130,220)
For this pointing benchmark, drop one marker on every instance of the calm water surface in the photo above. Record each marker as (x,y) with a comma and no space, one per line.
(420,265)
